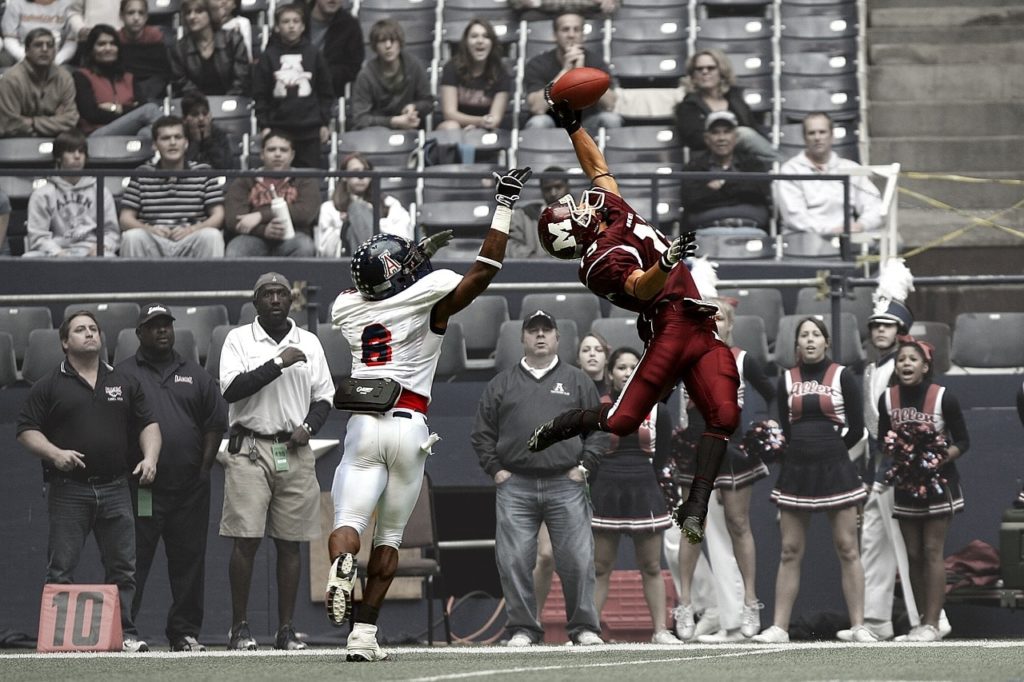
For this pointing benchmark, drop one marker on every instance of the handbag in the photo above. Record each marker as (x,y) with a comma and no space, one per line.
(366,395)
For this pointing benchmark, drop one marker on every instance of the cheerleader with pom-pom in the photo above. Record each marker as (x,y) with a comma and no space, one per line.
(923,429)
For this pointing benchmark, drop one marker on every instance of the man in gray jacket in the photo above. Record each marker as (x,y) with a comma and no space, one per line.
(548,486)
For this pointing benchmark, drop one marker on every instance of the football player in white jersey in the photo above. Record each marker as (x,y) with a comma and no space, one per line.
(394,322)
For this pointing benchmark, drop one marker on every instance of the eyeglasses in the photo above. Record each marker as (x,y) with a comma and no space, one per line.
(705,69)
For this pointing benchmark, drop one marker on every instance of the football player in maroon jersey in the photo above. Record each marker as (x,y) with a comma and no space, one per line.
(633,265)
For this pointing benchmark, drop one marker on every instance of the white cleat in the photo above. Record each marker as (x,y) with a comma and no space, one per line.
(340,581)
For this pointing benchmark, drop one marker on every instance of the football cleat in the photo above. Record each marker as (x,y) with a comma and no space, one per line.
(340,582)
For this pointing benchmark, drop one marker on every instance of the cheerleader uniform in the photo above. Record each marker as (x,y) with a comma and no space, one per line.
(927,403)
(625,492)
(739,469)
(816,472)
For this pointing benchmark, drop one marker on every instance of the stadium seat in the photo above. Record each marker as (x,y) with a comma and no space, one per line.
(452,360)
(733,29)
(118,151)
(385,148)
(477,184)
(200,320)
(8,365)
(665,37)
(840,24)
(509,349)
(939,335)
(748,333)
(764,302)
(489,146)
(247,315)
(26,152)
(648,70)
(45,353)
(733,8)
(634,144)
(751,66)
(582,308)
(494,11)
(216,345)
(638,192)
(480,322)
(651,9)
(543,147)
(809,245)
(850,353)
(841,105)
(802,69)
(860,304)
(619,332)
(469,219)
(231,113)
(753,246)
(19,323)
(337,350)
(112,317)
(128,345)
(988,340)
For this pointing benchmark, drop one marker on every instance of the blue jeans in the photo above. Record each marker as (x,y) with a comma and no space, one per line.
(249,246)
(522,503)
(106,510)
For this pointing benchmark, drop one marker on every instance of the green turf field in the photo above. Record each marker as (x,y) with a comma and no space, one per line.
(955,660)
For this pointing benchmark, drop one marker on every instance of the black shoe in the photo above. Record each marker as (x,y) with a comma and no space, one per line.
(690,517)
(288,640)
(186,643)
(240,639)
(565,425)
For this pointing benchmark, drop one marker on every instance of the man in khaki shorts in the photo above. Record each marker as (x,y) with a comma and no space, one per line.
(275,379)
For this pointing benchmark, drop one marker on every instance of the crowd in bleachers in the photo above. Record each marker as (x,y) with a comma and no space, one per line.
(424,85)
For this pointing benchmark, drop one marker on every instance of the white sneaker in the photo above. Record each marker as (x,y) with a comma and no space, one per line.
(664,637)
(772,635)
(708,623)
(362,644)
(133,645)
(519,639)
(906,637)
(944,627)
(859,633)
(340,581)
(587,638)
(882,631)
(924,633)
(750,619)
(683,616)
(723,637)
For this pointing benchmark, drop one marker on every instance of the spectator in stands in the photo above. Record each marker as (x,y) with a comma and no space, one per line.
(143,47)
(172,217)
(223,14)
(21,17)
(475,86)
(546,67)
(711,86)
(105,94)
(207,143)
(5,219)
(62,212)
(627,500)
(346,221)
(37,98)
(206,60)
(292,88)
(817,205)
(83,15)
(252,229)
(523,241)
(392,89)
(337,34)
(725,206)
(532,489)
(556,6)
(592,358)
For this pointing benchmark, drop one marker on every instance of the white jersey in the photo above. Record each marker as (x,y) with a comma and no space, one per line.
(392,338)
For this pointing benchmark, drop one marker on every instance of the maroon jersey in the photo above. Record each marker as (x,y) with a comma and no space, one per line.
(627,244)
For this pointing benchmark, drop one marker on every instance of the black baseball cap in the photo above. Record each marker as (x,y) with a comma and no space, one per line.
(539,318)
(152,311)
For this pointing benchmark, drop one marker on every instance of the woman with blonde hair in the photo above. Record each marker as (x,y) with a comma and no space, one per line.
(711,86)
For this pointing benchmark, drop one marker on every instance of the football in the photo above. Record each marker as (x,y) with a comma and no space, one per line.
(582,87)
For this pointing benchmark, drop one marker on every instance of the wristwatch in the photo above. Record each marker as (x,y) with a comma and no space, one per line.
(279,362)
(307,428)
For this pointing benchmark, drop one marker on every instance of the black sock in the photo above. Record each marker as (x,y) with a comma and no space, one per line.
(710,453)
(367,614)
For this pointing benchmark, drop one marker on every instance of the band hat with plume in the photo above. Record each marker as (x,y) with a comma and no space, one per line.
(895,282)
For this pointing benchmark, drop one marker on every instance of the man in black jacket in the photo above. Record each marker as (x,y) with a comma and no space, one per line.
(336,33)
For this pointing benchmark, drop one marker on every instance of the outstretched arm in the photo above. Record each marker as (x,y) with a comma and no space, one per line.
(492,253)
(591,159)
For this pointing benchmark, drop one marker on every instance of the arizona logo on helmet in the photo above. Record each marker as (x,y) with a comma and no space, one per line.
(391,266)
(385,265)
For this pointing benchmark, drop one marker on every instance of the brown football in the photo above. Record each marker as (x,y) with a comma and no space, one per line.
(582,87)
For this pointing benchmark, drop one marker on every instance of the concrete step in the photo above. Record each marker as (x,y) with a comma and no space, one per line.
(963,155)
(947,83)
(968,196)
(919,226)
(956,37)
(934,4)
(892,119)
(933,53)
(941,17)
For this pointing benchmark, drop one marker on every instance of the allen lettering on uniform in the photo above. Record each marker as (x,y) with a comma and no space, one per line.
(900,415)
(812,388)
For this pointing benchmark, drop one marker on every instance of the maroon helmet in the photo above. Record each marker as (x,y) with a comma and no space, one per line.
(566,229)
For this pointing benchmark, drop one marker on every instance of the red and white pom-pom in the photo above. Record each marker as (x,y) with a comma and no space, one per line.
(918,454)
(764,439)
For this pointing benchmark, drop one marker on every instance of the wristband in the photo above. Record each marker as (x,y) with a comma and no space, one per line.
(489,261)
(664,264)
(502,219)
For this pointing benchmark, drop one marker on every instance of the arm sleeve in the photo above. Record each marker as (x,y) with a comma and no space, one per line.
(955,424)
(690,124)
(111,228)
(325,89)
(317,415)
(86,102)
(793,204)
(884,422)
(854,409)
(783,407)
(66,115)
(14,47)
(363,115)
(179,74)
(307,205)
(262,84)
(595,443)
(423,100)
(484,437)
(215,408)
(141,413)
(236,202)
(241,77)
(246,384)
(40,238)
(867,203)
(36,408)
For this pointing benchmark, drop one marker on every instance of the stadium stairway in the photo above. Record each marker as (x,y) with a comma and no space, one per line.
(946,79)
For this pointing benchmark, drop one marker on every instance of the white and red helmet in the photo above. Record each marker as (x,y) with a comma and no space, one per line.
(566,228)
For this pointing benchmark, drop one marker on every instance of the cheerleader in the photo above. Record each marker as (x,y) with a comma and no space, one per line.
(627,500)
(734,483)
(924,519)
(821,400)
